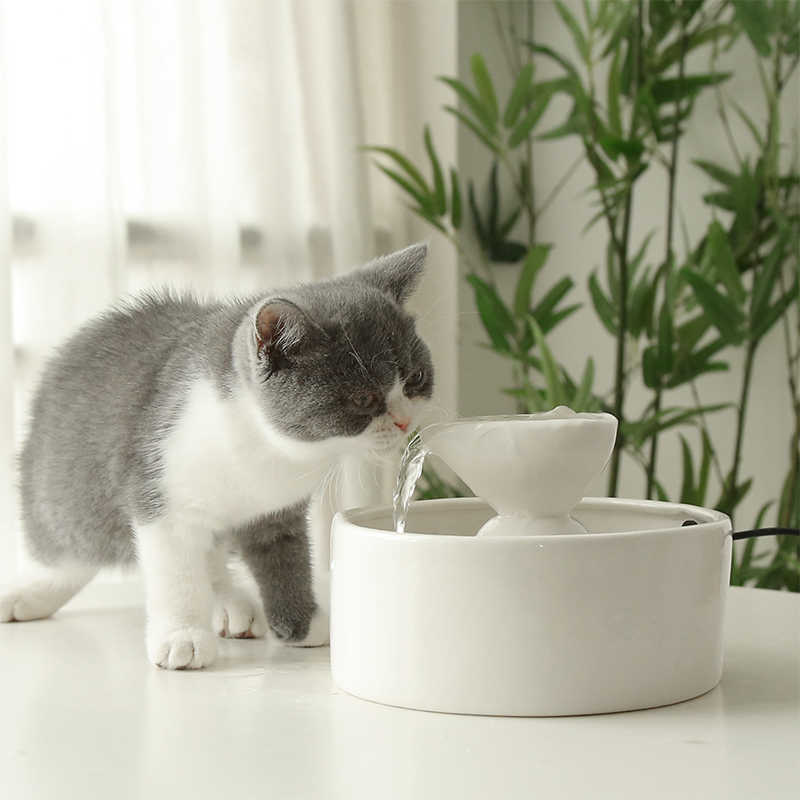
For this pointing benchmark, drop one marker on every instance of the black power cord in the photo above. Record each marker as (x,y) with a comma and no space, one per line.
(757,532)
(766,532)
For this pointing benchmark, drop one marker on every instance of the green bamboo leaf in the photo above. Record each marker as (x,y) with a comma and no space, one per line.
(662,17)
(423,200)
(602,305)
(404,163)
(617,22)
(650,373)
(674,90)
(587,12)
(523,130)
(534,261)
(721,254)
(581,44)
(553,297)
(661,492)
(493,217)
(654,425)
(789,506)
(580,401)
(507,252)
(557,57)
(574,124)
(688,492)
(429,217)
(519,358)
(455,204)
(766,276)
(484,138)
(612,274)
(601,214)
(762,326)
(673,53)
(732,495)
(613,95)
(689,334)
(723,312)
(724,200)
(705,469)
(504,228)
(519,96)
(542,94)
(630,148)
(716,172)
(483,115)
(552,377)
(665,340)
(758,24)
(641,301)
(494,314)
(750,124)
(483,83)
(481,232)
(690,366)
(747,195)
(646,101)
(603,15)
(439,191)
(548,320)
(636,261)
(673,282)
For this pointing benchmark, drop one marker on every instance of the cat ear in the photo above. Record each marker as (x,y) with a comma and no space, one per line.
(282,329)
(398,274)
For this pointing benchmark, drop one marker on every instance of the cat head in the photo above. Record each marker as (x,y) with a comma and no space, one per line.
(341,358)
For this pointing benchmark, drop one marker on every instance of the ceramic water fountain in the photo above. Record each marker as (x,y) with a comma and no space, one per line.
(527,600)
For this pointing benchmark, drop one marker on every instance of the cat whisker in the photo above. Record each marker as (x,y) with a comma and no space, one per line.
(354,352)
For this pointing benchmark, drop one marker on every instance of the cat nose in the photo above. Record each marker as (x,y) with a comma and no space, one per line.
(402,423)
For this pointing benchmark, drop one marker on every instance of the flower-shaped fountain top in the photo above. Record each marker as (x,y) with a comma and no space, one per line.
(531,468)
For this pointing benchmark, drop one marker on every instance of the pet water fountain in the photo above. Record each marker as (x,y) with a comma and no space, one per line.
(527,600)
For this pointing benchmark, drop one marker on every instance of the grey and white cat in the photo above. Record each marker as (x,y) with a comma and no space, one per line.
(175,432)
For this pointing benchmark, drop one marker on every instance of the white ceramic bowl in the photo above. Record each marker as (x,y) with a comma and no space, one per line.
(626,617)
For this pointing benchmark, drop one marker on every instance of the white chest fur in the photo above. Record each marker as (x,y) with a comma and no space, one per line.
(224,466)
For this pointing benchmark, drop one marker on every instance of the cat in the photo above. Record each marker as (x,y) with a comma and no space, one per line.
(176,433)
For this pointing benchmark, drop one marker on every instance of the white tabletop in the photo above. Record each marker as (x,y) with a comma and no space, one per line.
(84,715)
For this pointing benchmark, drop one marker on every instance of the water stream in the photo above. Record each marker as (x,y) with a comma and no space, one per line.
(410,470)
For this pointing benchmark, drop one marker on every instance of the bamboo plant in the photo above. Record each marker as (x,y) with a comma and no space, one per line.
(673,316)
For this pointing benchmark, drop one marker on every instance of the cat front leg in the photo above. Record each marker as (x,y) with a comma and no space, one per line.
(237,613)
(276,549)
(175,561)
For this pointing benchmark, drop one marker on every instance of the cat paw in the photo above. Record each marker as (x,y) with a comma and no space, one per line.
(34,601)
(8,605)
(185,648)
(319,632)
(239,617)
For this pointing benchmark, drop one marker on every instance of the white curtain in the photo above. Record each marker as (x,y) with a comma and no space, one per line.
(211,144)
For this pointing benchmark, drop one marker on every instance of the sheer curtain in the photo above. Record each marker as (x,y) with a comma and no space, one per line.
(211,144)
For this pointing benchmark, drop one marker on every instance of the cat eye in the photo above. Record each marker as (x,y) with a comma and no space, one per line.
(366,402)
(416,379)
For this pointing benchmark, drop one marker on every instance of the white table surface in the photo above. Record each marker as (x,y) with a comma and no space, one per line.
(84,715)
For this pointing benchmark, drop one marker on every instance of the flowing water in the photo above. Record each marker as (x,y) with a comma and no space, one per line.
(407,477)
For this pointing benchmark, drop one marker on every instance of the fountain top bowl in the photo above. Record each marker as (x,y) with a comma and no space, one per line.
(539,465)
(555,417)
